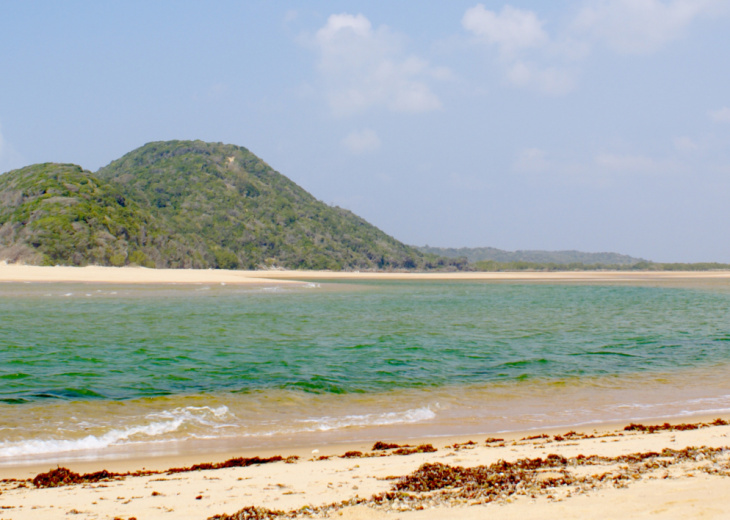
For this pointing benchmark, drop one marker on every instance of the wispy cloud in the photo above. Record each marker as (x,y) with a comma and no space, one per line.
(639,26)
(524,50)
(601,169)
(362,141)
(686,144)
(721,115)
(363,68)
(511,29)
(532,160)
(531,56)
(634,164)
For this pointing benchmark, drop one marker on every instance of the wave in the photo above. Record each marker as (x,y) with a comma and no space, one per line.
(161,423)
(201,422)
(323,424)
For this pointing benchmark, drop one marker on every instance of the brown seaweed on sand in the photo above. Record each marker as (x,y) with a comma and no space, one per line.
(64,477)
(437,484)
(250,513)
(238,462)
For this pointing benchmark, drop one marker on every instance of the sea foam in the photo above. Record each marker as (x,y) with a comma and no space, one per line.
(159,424)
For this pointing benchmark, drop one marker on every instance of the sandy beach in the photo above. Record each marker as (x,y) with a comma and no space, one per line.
(671,471)
(141,275)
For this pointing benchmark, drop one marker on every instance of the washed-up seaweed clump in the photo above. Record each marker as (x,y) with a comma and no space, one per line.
(422,448)
(381,446)
(666,427)
(64,477)
(378,450)
(238,462)
(251,513)
(487,481)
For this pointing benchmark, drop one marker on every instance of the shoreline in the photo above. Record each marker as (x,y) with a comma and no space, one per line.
(695,458)
(142,275)
(131,461)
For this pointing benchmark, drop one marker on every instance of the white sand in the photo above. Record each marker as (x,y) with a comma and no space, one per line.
(682,490)
(96,274)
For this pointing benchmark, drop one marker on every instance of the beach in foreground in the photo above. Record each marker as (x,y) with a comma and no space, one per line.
(680,470)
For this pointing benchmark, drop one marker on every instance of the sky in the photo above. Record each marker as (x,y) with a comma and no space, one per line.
(595,125)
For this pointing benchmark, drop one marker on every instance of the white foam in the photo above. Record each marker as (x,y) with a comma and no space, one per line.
(90,442)
(160,423)
(371,419)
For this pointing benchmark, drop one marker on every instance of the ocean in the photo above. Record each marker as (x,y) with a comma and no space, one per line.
(94,371)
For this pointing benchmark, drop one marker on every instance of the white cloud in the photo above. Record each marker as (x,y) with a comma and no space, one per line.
(639,26)
(722,115)
(362,141)
(511,29)
(517,34)
(364,68)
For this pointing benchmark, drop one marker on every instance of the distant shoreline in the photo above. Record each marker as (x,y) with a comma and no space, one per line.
(140,275)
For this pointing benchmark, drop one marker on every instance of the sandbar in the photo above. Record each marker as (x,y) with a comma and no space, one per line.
(141,275)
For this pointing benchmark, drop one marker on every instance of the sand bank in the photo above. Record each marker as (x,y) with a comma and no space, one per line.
(141,275)
(96,274)
(678,473)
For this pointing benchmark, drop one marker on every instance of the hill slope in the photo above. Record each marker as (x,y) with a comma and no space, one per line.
(61,214)
(186,204)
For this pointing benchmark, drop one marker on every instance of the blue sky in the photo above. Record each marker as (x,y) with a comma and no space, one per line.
(598,125)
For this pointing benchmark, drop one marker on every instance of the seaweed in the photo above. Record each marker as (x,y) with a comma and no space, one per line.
(64,477)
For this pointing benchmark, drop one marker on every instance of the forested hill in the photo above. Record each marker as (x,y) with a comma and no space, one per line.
(187,204)
(480,254)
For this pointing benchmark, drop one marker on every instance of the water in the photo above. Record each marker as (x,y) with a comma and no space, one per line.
(96,370)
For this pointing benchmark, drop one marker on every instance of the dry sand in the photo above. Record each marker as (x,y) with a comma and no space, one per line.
(678,484)
(96,274)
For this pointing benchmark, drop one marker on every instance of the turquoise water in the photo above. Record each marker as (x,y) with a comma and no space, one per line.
(78,358)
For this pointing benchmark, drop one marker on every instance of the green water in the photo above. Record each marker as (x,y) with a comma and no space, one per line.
(93,366)
(85,342)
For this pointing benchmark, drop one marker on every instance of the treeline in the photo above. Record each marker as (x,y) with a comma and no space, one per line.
(494,266)
(478,254)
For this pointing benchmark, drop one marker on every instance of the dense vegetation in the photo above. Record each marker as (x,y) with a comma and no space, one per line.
(491,265)
(61,214)
(543,258)
(187,204)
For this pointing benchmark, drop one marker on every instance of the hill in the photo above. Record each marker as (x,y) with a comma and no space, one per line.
(482,254)
(186,204)
(61,214)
